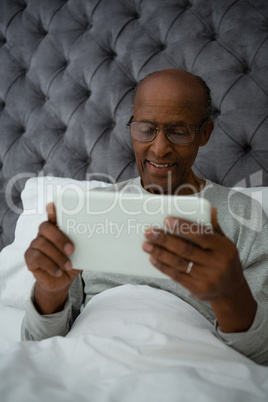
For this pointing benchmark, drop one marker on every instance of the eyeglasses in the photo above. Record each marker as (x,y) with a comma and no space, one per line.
(176,133)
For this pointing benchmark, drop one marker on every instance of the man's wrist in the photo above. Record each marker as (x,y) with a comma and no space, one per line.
(236,311)
(47,302)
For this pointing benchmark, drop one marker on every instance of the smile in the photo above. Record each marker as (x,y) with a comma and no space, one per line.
(161,166)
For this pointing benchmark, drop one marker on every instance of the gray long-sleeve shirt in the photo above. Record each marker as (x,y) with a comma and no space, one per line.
(242,220)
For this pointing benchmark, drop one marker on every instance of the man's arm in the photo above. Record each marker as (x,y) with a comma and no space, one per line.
(48,259)
(216,275)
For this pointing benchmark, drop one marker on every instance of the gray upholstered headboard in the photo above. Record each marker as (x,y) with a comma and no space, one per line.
(67,73)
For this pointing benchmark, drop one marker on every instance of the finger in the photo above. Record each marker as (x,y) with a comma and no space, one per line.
(52,233)
(45,248)
(180,277)
(215,222)
(48,281)
(200,234)
(36,260)
(52,284)
(51,213)
(165,257)
(180,247)
(176,262)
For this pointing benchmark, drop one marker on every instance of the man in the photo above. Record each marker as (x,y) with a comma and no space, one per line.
(171,120)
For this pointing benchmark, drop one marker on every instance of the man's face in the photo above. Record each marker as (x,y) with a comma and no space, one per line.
(165,100)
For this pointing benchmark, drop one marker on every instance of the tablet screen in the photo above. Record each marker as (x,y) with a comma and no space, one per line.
(107,228)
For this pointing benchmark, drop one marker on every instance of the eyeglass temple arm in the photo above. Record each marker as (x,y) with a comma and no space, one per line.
(128,124)
(198,129)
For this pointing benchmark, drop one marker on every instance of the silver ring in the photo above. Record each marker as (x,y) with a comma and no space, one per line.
(189,268)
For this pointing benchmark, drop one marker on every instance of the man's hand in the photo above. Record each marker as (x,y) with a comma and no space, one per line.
(47,258)
(216,275)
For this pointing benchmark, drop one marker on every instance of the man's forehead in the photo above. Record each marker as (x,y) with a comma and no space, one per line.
(168,87)
(168,99)
(176,91)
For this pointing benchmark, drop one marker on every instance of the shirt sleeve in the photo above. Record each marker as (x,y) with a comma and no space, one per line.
(252,343)
(36,327)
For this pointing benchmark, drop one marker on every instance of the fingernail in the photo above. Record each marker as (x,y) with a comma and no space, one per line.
(153,260)
(68,265)
(49,208)
(58,272)
(170,221)
(148,247)
(172,224)
(152,234)
(68,248)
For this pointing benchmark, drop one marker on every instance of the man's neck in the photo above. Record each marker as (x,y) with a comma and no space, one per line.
(195,185)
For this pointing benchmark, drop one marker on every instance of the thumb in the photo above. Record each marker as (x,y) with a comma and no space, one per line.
(51,213)
(215,222)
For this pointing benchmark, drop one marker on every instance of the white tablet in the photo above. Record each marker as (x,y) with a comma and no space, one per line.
(107,228)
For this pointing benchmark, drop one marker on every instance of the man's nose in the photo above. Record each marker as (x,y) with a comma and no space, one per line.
(161,145)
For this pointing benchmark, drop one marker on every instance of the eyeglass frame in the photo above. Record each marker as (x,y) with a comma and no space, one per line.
(196,130)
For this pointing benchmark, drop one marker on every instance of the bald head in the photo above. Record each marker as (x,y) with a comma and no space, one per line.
(176,83)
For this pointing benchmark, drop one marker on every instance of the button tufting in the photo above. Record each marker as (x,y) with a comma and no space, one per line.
(42,31)
(187,6)
(163,47)
(136,16)
(247,70)
(247,149)
(62,130)
(44,98)
(214,36)
(113,54)
(215,113)
(21,131)
(87,93)
(42,163)
(24,71)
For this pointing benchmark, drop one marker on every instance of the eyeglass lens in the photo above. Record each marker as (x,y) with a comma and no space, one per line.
(146,132)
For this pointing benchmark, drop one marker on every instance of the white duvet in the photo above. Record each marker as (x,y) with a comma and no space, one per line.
(132,344)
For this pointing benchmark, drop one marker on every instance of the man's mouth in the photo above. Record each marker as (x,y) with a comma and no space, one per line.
(161,165)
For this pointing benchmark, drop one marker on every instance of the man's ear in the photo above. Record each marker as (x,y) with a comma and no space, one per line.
(206,132)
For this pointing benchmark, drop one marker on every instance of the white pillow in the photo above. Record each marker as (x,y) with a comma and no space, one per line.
(15,279)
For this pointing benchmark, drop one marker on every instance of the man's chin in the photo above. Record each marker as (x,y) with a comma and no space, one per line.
(156,185)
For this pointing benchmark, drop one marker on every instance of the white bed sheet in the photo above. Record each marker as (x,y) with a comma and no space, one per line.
(132,343)
(10,319)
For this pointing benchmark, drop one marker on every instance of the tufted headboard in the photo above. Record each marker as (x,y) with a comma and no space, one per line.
(68,69)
